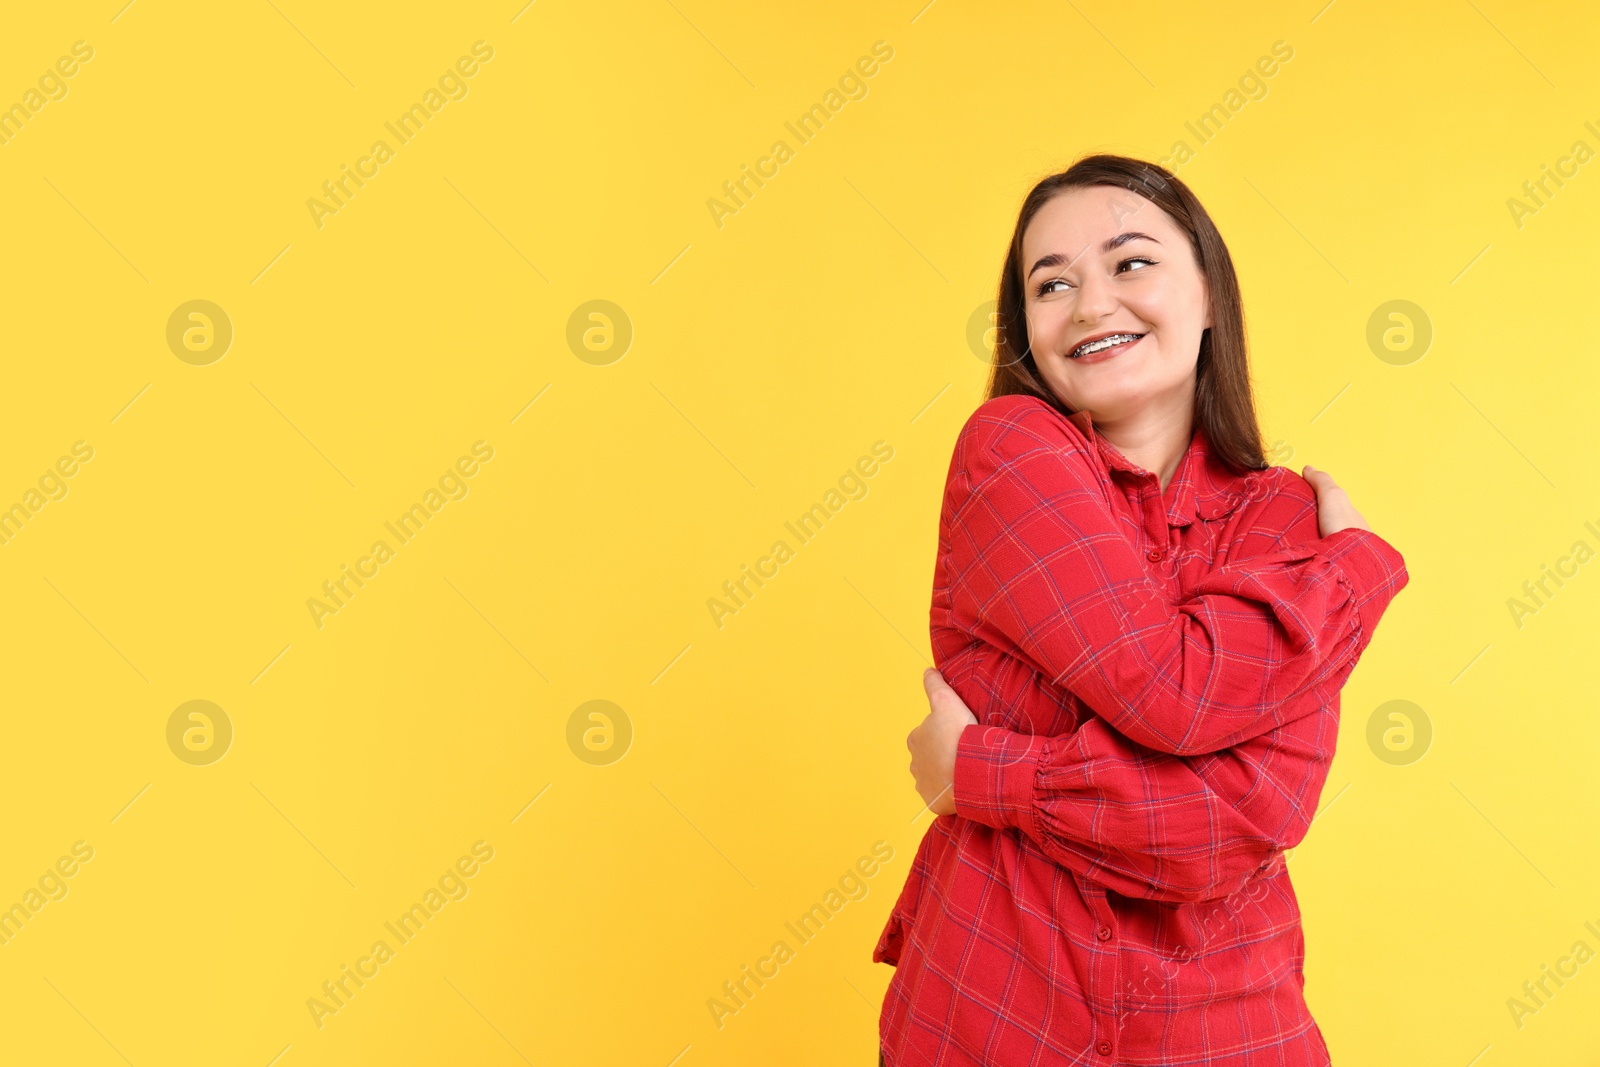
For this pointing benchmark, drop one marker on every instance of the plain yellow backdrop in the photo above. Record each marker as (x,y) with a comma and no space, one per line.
(771,347)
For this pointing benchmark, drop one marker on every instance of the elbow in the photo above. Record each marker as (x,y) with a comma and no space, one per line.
(1143,727)
(1191,744)
(1203,891)
(1197,728)
(1294,833)
(1225,874)
(1184,723)
(1205,746)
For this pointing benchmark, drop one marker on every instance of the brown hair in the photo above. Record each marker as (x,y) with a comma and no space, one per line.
(1224,405)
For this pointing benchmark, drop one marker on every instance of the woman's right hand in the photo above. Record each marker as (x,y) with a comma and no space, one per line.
(1334,510)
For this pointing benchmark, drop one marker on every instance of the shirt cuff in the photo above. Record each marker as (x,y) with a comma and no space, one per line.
(1375,568)
(994,778)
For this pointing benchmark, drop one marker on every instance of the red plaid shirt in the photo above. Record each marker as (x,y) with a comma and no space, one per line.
(1156,678)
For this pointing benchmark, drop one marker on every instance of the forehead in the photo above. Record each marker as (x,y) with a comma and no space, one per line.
(1082,218)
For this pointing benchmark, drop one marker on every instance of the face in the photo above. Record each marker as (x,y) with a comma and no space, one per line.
(1077,289)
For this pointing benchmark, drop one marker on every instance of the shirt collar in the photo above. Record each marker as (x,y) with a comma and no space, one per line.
(1201,486)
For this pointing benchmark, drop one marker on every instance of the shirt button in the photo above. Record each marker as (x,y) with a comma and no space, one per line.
(1103,933)
(1154,555)
(1105,1048)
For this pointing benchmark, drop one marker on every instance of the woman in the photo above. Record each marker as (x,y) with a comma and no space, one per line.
(1150,626)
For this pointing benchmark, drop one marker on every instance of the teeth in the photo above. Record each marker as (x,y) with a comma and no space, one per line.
(1105,342)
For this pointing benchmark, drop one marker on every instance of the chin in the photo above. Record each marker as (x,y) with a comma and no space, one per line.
(1107,405)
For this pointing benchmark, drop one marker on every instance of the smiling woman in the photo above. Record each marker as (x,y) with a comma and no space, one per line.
(1141,630)
(1107,265)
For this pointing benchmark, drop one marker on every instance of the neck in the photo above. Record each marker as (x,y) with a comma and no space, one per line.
(1152,438)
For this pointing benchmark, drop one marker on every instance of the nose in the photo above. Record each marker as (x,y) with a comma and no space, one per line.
(1095,300)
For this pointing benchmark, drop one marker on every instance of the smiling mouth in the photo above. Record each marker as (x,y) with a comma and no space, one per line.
(1115,340)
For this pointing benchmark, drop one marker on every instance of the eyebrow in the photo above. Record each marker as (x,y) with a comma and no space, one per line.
(1056,259)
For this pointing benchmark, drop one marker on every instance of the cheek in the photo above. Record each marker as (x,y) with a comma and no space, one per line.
(1049,325)
(1176,318)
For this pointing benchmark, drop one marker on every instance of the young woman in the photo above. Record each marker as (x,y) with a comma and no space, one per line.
(1141,630)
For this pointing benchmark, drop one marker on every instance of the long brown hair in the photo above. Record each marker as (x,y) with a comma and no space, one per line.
(1224,405)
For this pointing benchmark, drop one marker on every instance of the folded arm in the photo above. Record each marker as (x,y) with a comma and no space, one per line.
(1151,824)
(1042,569)
(1144,823)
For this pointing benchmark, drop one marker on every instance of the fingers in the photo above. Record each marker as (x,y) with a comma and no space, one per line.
(944,703)
(1320,479)
(936,688)
(940,695)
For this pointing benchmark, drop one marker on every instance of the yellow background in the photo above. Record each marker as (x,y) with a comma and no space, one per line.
(767,355)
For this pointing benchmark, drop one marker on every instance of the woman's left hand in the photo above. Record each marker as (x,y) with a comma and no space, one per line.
(933,744)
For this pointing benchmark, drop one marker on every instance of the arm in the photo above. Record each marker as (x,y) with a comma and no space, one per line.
(1145,823)
(1042,570)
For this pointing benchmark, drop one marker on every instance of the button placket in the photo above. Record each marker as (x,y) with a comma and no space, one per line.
(1107,968)
(1154,514)
(1104,933)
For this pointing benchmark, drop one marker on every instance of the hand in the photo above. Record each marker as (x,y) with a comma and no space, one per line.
(1334,510)
(933,744)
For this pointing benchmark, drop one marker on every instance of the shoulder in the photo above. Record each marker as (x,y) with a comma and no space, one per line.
(1284,486)
(1015,451)
(1009,428)
(1280,506)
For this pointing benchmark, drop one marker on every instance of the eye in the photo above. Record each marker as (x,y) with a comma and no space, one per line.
(1044,289)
